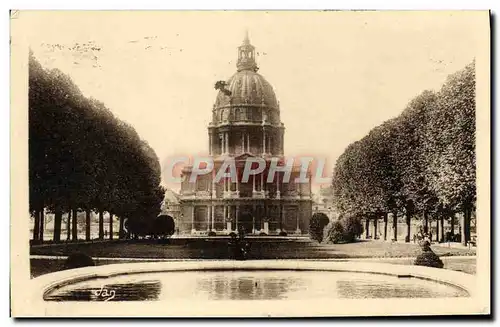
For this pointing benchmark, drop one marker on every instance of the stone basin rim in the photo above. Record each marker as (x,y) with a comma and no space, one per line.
(47,283)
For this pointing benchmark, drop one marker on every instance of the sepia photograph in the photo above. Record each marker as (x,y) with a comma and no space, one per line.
(250,163)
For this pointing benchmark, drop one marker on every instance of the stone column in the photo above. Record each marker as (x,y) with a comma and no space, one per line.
(242,142)
(227,142)
(264,142)
(214,190)
(282,216)
(222,143)
(266,227)
(237,182)
(282,146)
(248,142)
(192,219)
(208,218)
(226,222)
(210,143)
(213,217)
(278,193)
(253,218)
(237,215)
(298,222)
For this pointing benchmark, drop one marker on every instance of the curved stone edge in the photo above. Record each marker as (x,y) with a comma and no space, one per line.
(46,283)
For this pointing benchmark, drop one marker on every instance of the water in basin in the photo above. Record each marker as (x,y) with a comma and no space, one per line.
(251,285)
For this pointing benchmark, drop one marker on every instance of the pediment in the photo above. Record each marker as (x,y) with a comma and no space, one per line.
(244,156)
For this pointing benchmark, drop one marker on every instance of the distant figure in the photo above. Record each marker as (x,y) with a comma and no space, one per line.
(78,260)
(238,248)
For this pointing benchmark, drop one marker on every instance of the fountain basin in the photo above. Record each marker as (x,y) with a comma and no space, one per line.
(256,282)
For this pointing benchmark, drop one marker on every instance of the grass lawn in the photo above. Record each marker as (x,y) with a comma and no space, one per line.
(260,249)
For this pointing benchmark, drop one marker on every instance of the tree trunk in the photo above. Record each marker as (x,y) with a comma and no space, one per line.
(452,224)
(68,226)
(469,216)
(87,224)
(437,229)
(395,225)
(408,228)
(385,226)
(101,224)
(121,231)
(74,225)
(367,227)
(36,226)
(110,226)
(57,225)
(375,221)
(442,229)
(42,223)
(426,222)
(466,225)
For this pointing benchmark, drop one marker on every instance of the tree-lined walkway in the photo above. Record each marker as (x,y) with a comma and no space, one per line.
(421,164)
(83,159)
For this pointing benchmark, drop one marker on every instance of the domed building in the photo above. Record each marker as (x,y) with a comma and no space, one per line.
(245,123)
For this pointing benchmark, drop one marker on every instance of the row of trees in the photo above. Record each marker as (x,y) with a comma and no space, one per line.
(162,226)
(82,158)
(420,164)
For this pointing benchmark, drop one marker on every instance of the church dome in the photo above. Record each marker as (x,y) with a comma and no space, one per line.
(247,87)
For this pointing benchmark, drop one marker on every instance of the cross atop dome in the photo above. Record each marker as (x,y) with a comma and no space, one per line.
(246,55)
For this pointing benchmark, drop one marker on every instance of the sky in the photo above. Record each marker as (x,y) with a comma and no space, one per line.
(336,74)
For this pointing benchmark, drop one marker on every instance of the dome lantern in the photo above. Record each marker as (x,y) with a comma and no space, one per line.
(246,88)
(246,56)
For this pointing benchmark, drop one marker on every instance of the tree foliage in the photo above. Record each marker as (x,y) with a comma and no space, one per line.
(422,161)
(163,226)
(82,157)
(352,228)
(334,232)
(316,226)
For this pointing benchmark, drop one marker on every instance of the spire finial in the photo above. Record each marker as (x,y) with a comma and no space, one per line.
(246,40)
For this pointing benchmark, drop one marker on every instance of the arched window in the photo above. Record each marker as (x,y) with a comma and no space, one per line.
(237,114)
(221,115)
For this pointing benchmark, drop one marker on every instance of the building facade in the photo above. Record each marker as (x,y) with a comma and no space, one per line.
(323,202)
(246,124)
(171,205)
